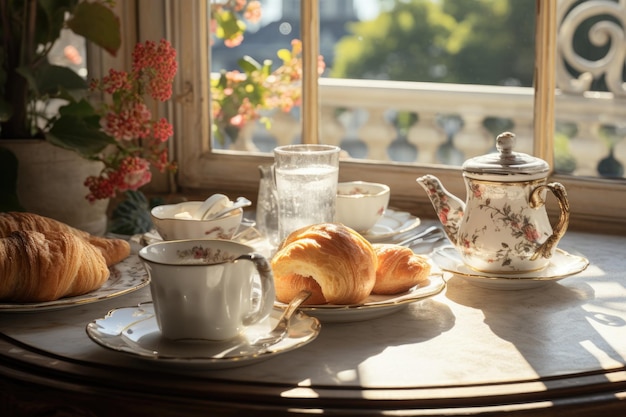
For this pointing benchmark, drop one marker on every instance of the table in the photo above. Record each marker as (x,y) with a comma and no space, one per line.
(555,350)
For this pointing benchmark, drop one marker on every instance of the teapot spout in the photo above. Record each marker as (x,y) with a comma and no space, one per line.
(448,207)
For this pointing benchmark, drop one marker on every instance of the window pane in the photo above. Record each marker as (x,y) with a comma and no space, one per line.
(590,115)
(372,48)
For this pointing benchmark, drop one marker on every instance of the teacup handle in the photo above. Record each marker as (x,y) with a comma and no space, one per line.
(268,294)
(545,250)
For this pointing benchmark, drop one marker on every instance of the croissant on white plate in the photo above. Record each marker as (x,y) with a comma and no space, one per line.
(399,269)
(113,250)
(46,266)
(334,262)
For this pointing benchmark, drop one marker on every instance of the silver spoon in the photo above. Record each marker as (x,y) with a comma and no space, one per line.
(428,233)
(241,202)
(279,331)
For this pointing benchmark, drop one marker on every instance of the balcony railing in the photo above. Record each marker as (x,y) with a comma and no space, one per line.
(453,122)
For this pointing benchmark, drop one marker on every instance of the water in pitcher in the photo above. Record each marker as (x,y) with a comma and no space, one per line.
(306,196)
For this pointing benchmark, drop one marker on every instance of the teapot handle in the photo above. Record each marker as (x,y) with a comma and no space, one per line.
(545,250)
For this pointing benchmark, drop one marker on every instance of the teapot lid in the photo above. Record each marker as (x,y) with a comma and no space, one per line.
(515,166)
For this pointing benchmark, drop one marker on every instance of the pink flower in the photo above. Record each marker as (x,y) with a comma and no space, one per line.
(134,172)
(253,11)
(162,130)
(127,124)
(116,81)
(127,119)
(477,191)
(237,120)
(530,233)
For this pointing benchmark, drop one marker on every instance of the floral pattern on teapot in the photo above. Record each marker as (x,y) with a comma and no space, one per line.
(526,237)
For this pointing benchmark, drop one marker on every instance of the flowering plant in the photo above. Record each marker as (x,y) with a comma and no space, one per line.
(138,140)
(228,19)
(239,97)
(121,131)
(242,96)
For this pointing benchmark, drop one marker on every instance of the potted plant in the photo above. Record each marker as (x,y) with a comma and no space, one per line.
(30,86)
(118,134)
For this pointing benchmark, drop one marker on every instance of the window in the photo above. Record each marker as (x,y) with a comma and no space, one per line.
(596,203)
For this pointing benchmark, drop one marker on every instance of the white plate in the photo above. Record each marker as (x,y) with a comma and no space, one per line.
(391,224)
(134,331)
(562,264)
(375,305)
(126,276)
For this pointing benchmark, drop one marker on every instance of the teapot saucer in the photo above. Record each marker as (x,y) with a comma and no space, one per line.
(562,264)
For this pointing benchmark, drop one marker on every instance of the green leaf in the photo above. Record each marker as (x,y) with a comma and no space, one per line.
(81,135)
(228,25)
(51,79)
(267,67)
(249,64)
(284,55)
(51,19)
(80,109)
(97,23)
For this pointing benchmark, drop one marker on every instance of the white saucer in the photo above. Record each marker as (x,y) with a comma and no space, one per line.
(126,276)
(134,330)
(375,305)
(562,264)
(391,224)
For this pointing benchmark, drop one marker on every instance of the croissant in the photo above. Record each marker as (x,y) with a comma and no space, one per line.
(334,262)
(113,250)
(399,269)
(46,266)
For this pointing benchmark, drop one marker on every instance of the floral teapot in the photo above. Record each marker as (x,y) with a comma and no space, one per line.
(503,226)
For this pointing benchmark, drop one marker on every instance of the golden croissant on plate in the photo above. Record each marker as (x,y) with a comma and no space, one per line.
(339,266)
(113,250)
(46,266)
(399,269)
(334,262)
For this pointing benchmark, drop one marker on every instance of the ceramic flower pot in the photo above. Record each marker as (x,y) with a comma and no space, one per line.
(50,183)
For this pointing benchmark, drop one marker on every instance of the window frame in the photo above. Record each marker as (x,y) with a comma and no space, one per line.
(596,204)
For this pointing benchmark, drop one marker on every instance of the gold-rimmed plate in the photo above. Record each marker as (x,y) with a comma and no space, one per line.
(126,276)
(562,264)
(375,305)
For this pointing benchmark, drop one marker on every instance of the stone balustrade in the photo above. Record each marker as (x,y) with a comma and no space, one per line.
(453,122)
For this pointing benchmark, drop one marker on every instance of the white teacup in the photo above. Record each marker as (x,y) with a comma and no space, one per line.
(205,289)
(361,204)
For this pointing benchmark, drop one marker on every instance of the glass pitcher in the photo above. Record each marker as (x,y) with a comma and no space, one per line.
(267,205)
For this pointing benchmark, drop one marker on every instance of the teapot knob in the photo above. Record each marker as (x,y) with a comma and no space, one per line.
(505,142)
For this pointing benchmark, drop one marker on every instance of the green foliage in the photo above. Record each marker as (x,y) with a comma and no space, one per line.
(228,24)
(27,79)
(395,44)
(478,42)
(96,22)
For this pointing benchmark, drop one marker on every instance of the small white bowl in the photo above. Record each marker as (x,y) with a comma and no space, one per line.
(361,204)
(172,223)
